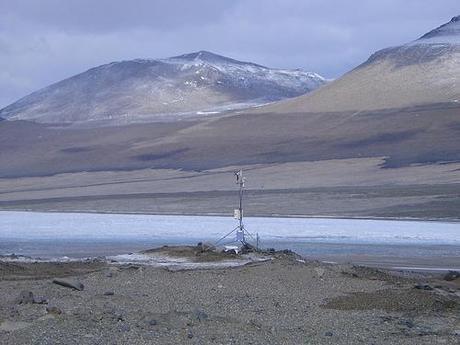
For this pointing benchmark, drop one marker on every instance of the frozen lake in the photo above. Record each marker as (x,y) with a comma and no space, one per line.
(88,234)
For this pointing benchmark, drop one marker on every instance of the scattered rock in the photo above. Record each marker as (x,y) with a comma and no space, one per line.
(386,318)
(206,247)
(112,271)
(422,286)
(452,275)
(53,310)
(13,311)
(148,320)
(200,315)
(40,300)
(113,314)
(320,272)
(72,284)
(124,327)
(25,297)
(425,331)
(350,274)
(109,293)
(255,324)
(247,248)
(407,323)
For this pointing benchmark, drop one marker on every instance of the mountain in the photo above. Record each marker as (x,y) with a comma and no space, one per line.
(400,161)
(139,90)
(424,71)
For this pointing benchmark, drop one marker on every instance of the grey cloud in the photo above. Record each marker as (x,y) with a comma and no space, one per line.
(110,15)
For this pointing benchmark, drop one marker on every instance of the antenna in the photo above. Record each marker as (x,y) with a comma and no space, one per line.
(238,213)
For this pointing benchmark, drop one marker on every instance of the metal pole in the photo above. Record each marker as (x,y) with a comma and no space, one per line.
(241,202)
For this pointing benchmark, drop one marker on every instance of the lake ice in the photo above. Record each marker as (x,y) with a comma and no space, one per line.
(49,235)
(42,226)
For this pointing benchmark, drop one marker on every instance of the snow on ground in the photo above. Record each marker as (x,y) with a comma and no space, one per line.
(180,263)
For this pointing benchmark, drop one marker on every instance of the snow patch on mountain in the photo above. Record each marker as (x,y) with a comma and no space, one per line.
(448,33)
(146,89)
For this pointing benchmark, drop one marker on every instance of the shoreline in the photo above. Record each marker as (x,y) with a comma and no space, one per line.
(272,215)
(426,265)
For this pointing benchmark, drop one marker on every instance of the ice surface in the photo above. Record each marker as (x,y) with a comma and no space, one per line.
(92,226)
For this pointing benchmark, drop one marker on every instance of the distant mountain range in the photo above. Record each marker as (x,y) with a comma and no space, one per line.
(400,107)
(136,90)
(424,71)
(383,140)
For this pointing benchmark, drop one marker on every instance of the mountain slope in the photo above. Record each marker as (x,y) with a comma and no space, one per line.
(424,71)
(144,89)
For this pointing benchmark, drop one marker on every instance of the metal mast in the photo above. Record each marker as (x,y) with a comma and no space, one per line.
(240,180)
(238,213)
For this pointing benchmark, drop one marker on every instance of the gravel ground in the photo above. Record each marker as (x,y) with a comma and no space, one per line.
(281,301)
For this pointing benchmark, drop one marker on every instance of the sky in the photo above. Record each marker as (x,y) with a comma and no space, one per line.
(45,41)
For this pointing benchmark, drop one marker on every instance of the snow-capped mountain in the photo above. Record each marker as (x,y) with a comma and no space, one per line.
(448,33)
(146,89)
(424,71)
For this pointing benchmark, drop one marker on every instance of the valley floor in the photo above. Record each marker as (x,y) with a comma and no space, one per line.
(282,301)
(335,188)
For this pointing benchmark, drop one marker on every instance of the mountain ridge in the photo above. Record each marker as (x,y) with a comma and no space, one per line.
(424,71)
(144,89)
(449,29)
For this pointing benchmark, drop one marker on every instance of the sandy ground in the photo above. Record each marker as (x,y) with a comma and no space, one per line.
(391,163)
(280,301)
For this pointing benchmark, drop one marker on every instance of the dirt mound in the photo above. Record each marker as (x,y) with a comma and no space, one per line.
(409,300)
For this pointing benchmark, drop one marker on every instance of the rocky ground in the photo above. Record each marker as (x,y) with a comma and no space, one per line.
(284,300)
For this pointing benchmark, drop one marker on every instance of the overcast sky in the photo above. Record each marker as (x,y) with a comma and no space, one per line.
(44,41)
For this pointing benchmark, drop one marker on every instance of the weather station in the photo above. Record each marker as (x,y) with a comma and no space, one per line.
(239,237)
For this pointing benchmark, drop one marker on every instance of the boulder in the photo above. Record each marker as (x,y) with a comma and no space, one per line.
(25,297)
(423,286)
(53,310)
(72,284)
(452,275)
(40,300)
(200,315)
